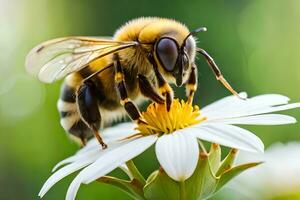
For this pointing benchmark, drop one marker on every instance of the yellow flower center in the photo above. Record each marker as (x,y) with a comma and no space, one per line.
(160,121)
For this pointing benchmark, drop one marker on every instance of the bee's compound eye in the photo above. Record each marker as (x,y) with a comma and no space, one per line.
(185,62)
(189,45)
(167,53)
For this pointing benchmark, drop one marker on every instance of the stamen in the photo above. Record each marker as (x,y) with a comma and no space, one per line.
(160,121)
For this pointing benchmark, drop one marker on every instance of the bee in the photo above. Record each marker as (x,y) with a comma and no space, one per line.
(105,78)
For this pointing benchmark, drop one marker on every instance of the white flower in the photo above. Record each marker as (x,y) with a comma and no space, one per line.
(277,177)
(175,135)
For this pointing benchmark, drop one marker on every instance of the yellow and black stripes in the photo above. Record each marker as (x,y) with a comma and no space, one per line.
(66,105)
(68,94)
(71,120)
(191,85)
(129,106)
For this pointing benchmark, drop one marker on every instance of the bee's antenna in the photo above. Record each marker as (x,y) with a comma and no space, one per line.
(198,30)
(194,32)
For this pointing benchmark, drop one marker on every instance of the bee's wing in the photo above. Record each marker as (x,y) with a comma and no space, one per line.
(54,59)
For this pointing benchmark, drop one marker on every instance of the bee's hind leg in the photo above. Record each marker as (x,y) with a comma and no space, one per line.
(88,107)
(83,139)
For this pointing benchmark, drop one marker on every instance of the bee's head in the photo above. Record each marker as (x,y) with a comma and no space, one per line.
(175,59)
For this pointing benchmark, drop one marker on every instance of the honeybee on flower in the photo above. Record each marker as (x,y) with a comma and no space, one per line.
(108,77)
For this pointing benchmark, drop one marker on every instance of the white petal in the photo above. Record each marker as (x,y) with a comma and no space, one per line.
(272,109)
(109,161)
(267,119)
(228,135)
(178,154)
(219,104)
(117,156)
(271,99)
(255,105)
(78,161)
(110,136)
(79,156)
(65,171)
(119,131)
(64,162)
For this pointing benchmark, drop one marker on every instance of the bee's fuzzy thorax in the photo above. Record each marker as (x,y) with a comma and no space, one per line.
(146,31)
(149,29)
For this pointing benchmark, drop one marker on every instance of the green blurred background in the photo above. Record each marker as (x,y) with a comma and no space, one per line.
(256,44)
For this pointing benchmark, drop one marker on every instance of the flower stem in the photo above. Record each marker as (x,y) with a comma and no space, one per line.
(135,172)
(202,146)
(127,186)
(182,190)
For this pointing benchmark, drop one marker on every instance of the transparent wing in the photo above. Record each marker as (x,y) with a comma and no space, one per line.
(54,59)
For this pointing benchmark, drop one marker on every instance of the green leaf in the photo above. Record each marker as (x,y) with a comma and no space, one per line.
(233,172)
(160,186)
(214,157)
(227,162)
(202,183)
(135,172)
(132,188)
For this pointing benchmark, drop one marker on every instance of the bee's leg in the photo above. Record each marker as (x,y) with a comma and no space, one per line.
(129,106)
(148,90)
(164,88)
(88,107)
(191,85)
(83,139)
(217,72)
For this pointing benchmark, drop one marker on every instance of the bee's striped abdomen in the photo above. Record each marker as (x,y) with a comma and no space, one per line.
(68,93)
(94,101)
(69,114)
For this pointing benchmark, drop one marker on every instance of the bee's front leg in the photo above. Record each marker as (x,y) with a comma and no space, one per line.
(129,106)
(164,88)
(148,90)
(217,72)
(191,84)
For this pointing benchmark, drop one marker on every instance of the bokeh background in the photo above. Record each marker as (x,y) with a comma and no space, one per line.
(255,42)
